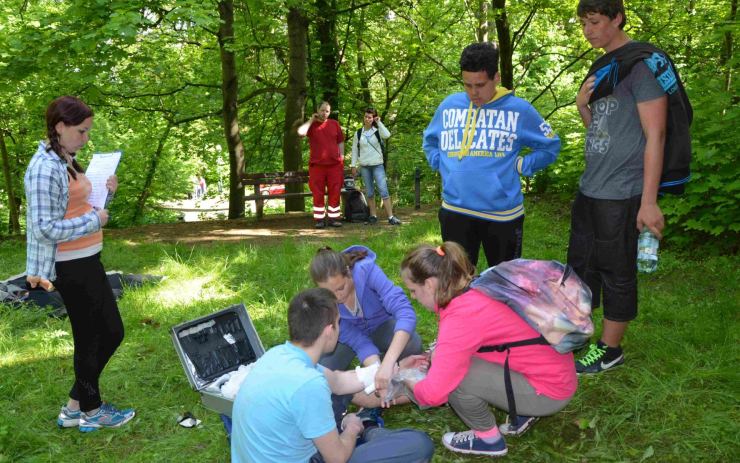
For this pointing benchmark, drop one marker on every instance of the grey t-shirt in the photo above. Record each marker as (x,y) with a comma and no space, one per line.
(615,142)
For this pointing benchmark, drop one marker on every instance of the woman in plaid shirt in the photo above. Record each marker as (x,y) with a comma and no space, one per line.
(64,240)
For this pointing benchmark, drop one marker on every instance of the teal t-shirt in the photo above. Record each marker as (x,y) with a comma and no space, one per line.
(283,404)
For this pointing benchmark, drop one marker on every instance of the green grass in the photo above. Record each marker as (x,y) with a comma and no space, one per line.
(675,399)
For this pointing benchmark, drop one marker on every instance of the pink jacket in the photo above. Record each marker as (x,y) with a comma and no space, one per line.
(473,320)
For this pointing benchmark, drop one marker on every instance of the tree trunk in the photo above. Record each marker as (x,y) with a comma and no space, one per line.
(230,95)
(14,226)
(506,51)
(689,37)
(326,30)
(727,47)
(361,68)
(482,32)
(150,173)
(295,101)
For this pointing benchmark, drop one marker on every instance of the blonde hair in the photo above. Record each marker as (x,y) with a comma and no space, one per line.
(448,263)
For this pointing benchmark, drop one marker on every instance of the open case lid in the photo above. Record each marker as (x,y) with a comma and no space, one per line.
(216,344)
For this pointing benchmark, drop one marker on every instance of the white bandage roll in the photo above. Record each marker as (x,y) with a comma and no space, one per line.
(366,376)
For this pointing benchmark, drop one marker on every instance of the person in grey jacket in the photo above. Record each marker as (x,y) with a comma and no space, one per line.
(367,153)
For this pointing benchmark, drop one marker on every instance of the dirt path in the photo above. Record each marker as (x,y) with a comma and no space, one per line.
(265,230)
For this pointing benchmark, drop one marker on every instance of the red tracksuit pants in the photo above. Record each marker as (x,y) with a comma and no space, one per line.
(320,179)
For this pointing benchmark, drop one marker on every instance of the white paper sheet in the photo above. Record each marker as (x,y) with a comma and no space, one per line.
(102,166)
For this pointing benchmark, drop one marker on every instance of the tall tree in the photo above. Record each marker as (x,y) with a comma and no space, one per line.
(481,32)
(506,49)
(230,96)
(361,68)
(295,100)
(326,30)
(14,226)
(727,46)
(149,175)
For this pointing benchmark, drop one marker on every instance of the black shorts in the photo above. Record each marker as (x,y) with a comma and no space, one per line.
(603,252)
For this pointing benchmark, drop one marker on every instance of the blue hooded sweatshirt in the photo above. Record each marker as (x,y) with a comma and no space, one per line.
(380,299)
(476,151)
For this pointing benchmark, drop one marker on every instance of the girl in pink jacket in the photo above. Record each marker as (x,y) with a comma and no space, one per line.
(543,380)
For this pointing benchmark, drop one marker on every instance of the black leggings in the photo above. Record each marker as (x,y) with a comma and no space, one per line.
(97,327)
(501,240)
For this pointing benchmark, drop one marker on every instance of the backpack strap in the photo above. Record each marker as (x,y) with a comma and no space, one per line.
(566,274)
(380,141)
(506,347)
(540,340)
(359,134)
(382,148)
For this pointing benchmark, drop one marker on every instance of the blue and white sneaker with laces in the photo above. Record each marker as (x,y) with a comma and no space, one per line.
(371,417)
(467,442)
(107,416)
(68,418)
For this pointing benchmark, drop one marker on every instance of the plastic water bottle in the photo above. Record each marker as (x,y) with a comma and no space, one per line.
(647,252)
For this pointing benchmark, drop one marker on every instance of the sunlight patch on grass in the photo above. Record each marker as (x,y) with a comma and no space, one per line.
(186,291)
(35,345)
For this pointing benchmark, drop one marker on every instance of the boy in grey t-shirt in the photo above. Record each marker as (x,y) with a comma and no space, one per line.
(618,190)
(615,142)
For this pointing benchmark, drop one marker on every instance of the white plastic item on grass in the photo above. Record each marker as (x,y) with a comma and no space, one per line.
(366,375)
(215,385)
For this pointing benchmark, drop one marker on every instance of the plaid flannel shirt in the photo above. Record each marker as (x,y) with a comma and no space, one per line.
(47,193)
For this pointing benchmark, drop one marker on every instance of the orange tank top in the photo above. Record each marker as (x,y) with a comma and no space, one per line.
(88,245)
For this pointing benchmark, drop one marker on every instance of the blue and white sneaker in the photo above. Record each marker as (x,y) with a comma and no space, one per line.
(467,442)
(371,417)
(68,418)
(523,423)
(107,416)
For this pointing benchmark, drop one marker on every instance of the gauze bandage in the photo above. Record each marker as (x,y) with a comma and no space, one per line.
(366,376)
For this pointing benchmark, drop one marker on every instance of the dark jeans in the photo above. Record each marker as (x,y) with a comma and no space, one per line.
(603,252)
(97,327)
(501,240)
(343,355)
(381,445)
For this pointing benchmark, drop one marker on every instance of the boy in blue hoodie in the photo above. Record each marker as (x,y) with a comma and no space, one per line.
(474,141)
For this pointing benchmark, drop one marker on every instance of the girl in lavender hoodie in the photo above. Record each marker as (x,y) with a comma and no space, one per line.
(376,320)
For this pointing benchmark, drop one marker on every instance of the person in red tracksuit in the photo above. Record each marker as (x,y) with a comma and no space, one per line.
(326,164)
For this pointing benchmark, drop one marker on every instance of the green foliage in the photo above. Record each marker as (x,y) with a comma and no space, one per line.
(147,66)
(710,208)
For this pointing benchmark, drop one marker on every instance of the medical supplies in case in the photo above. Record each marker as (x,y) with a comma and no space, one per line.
(213,348)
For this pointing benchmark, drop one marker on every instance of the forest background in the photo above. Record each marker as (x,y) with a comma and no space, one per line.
(192,87)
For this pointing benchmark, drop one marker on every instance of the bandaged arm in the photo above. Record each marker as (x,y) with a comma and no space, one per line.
(366,375)
(349,382)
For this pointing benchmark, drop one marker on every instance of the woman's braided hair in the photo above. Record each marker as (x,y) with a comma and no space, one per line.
(69,110)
